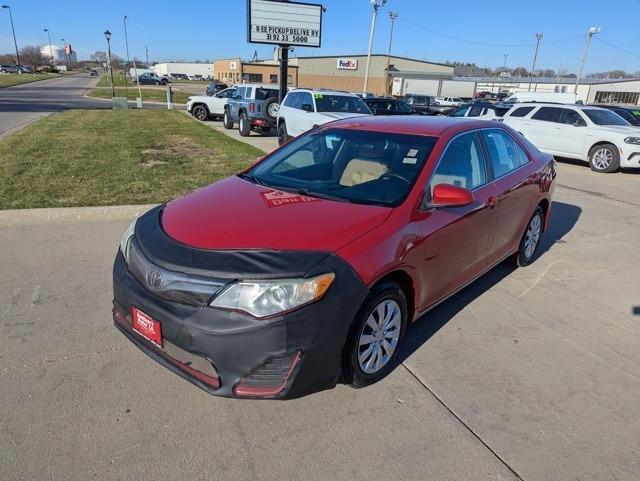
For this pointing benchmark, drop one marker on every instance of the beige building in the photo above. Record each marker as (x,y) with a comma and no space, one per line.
(235,71)
(347,72)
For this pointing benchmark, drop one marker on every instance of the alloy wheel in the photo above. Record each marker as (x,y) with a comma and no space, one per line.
(379,336)
(532,236)
(602,159)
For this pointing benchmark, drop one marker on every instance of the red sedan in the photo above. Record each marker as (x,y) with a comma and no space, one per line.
(308,267)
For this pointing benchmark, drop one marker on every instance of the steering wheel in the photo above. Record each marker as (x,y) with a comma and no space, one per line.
(392,175)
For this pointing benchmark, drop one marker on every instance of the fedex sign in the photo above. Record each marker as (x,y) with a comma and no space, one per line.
(347,64)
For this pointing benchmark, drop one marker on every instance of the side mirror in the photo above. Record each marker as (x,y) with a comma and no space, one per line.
(307,107)
(445,195)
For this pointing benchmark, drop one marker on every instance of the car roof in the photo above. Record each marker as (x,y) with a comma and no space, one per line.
(413,125)
(551,104)
(260,86)
(324,91)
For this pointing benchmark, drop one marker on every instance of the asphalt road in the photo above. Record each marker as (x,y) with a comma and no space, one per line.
(23,104)
(528,374)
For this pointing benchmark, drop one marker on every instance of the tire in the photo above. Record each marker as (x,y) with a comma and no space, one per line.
(200,112)
(604,158)
(530,239)
(283,137)
(226,120)
(270,109)
(244,126)
(364,349)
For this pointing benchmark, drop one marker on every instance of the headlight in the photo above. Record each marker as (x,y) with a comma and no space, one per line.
(266,298)
(632,140)
(126,240)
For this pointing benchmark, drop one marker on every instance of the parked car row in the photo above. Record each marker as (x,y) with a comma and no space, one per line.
(7,68)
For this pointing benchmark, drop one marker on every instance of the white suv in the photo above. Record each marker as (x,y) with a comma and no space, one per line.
(304,109)
(595,135)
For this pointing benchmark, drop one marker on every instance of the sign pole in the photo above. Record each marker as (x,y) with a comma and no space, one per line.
(284,70)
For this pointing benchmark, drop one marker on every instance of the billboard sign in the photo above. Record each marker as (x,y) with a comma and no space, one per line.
(347,64)
(284,23)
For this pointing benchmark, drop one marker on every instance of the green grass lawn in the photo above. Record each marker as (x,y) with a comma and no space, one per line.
(113,157)
(9,79)
(148,94)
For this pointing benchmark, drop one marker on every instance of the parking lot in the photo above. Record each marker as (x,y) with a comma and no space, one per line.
(512,378)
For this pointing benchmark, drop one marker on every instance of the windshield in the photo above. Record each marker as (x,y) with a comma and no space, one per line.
(347,165)
(604,117)
(340,103)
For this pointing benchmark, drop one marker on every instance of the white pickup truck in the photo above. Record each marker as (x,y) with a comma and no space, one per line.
(203,107)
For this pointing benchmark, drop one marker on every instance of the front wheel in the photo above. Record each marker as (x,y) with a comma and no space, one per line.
(604,158)
(200,112)
(530,239)
(226,120)
(244,126)
(283,137)
(376,336)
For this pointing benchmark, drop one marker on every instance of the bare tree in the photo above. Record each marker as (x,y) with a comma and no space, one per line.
(520,72)
(548,73)
(99,56)
(32,56)
(7,58)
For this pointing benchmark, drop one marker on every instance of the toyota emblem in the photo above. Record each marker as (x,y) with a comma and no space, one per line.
(154,279)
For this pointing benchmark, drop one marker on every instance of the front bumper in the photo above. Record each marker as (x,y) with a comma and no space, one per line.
(236,345)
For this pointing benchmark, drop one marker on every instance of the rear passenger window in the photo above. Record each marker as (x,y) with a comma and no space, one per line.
(462,164)
(521,111)
(504,153)
(548,114)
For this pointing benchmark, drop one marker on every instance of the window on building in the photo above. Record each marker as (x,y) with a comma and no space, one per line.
(289,80)
(273,79)
(254,78)
(630,98)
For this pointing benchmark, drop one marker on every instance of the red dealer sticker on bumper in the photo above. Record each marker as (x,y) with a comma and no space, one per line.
(147,326)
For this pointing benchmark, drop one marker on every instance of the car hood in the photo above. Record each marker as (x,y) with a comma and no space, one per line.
(237,214)
(199,98)
(340,115)
(619,129)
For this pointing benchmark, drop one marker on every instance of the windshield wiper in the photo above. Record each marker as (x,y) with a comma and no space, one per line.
(253,178)
(320,195)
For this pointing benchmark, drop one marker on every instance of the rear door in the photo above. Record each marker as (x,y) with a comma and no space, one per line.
(456,239)
(514,176)
(571,132)
(540,127)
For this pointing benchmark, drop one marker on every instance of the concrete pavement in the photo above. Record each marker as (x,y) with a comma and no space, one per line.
(527,374)
(21,105)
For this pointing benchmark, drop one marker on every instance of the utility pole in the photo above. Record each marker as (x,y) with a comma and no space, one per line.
(126,68)
(14,35)
(66,55)
(107,35)
(50,49)
(146,52)
(504,65)
(590,33)
(535,57)
(392,16)
(375,5)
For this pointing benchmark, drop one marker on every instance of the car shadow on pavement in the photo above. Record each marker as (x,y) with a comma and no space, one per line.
(563,219)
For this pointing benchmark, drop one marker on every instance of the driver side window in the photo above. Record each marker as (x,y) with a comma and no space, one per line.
(462,164)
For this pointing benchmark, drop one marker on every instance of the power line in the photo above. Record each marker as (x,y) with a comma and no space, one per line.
(618,48)
(486,44)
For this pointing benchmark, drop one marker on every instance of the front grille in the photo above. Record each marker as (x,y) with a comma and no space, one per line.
(171,285)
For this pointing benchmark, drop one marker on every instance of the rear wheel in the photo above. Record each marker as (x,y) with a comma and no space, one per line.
(226,120)
(376,336)
(530,239)
(604,158)
(244,126)
(200,112)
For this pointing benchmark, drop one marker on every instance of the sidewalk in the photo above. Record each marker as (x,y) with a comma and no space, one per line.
(266,143)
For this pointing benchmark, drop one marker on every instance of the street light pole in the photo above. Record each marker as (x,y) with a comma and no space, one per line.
(107,35)
(535,57)
(126,69)
(66,55)
(375,4)
(50,49)
(504,65)
(590,33)
(14,35)
(392,17)
(146,53)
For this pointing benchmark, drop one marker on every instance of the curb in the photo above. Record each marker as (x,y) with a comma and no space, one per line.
(71,215)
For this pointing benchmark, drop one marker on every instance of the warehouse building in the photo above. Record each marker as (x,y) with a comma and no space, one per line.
(184,68)
(235,71)
(622,91)
(348,72)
